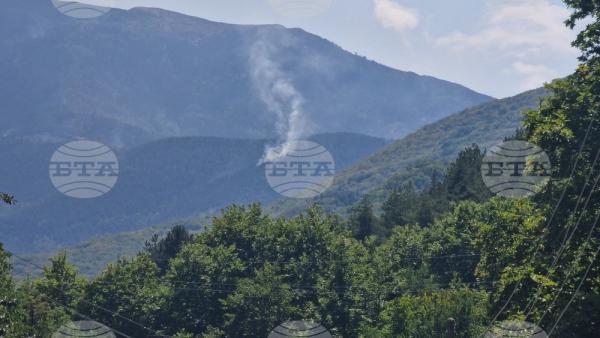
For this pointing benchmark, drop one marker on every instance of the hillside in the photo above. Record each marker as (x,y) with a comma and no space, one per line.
(139,75)
(417,155)
(161,181)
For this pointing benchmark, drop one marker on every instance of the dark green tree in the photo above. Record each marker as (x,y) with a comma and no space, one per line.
(259,304)
(61,282)
(129,296)
(363,221)
(427,315)
(401,207)
(463,179)
(161,250)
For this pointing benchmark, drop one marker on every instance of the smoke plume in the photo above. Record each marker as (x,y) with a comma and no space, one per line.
(279,95)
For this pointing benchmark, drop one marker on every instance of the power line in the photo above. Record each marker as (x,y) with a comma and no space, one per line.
(568,235)
(55,302)
(550,220)
(569,274)
(587,271)
(341,260)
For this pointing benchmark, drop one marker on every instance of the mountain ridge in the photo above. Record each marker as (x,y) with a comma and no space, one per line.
(134,76)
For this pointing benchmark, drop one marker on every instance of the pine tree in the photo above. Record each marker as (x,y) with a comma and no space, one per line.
(463,178)
(162,250)
(362,219)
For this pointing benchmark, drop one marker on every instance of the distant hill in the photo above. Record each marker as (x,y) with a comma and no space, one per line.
(139,75)
(411,158)
(92,256)
(159,182)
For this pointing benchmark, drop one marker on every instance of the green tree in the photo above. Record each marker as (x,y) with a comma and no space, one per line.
(463,178)
(567,126)
(401,207)
(60,282)
(259,304)
(129,297)
(161,250)
(588,40)
(427,315)
(363,221)
(201,278)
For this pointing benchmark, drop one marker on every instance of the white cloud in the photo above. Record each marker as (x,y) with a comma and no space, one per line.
(534,74)
(392,15)
(519,29)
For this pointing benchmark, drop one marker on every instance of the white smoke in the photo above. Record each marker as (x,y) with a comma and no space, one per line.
(279,95)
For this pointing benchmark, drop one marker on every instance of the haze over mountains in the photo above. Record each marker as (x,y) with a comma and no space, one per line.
(134,76)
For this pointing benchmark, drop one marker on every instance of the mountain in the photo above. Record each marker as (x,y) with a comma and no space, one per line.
(161,181)
(133,76)
(411,158)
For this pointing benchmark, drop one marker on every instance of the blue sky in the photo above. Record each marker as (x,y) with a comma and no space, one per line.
(497,47)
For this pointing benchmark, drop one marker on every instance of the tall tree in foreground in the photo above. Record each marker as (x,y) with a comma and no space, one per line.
(559,283)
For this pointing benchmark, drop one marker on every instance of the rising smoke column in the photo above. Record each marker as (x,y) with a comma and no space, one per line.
(279,95)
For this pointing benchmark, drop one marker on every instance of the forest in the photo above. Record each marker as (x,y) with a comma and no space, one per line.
(448,260)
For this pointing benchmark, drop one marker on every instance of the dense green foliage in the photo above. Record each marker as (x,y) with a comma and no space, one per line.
(437,262)
(555,279)
(251,271)
(405,205)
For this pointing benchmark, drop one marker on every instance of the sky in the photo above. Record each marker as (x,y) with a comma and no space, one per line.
(496,47)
